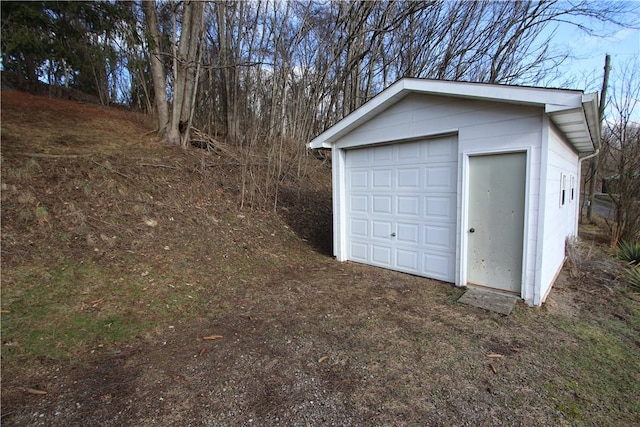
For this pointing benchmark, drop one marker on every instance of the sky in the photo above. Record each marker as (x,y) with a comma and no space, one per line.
(584,69)
(587,65)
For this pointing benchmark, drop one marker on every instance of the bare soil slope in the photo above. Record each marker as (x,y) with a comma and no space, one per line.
(134,292)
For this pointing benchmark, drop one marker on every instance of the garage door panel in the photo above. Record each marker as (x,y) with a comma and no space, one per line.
(382,179)
(409,151)
(401,206)
(359,251)
(381,229)
(441,150)
(359,203)
(408,206)
(441,178)
(407,260)
(381,255)
(382,205)
(438,266)
(408,233)
(440,237)
(359,179)
(408,178)
(383,153)
(359,228)
(359,157)
(440,207)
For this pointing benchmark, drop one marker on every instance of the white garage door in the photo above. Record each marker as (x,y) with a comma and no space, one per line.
(401,206)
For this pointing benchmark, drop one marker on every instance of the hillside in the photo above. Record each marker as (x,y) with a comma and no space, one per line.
(82,180)
(135,291)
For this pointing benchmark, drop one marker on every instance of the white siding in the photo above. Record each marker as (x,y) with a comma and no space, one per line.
(482,127)
(560,219)
(421,115)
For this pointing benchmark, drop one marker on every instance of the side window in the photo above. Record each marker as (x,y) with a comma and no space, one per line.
(573,188)
(563,189)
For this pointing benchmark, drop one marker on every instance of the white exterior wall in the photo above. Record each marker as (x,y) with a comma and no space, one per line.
(559,220)
(482,127)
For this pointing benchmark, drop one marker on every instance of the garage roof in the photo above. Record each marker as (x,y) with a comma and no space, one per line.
(573,112)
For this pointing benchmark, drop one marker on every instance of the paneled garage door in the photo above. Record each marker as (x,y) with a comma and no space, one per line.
(401,206)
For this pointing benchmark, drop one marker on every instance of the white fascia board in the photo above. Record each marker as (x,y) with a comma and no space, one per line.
(592,113)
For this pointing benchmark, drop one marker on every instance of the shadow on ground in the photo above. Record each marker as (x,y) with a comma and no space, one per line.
(309,214)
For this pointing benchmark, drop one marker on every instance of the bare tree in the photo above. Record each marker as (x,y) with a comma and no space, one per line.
(621,154)
(276,72)
(174,124)
(185,71)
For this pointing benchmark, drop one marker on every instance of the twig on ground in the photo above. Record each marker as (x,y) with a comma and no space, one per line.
(158,166)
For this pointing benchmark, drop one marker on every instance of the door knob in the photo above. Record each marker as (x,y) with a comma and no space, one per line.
(393,234)
(472,230)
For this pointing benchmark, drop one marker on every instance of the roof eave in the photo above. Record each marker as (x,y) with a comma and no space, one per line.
(578,122)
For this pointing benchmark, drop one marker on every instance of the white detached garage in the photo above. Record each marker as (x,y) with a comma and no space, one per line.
(473,184)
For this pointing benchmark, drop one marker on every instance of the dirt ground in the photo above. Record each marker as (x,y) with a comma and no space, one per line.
(135,292)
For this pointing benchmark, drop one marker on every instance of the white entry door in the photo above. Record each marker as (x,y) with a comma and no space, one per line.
(496,220)
(401,206)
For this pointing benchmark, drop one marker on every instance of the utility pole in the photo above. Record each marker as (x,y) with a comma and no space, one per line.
(594,161)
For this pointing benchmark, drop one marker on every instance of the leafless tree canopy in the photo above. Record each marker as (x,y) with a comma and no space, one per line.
(271,74)
(264,76)
(297,67)
(620,157)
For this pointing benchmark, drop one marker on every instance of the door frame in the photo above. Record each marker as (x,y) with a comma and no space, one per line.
(464,210)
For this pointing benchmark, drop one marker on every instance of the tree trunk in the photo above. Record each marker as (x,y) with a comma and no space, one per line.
(158,74)
(224,12)
(192,86)
(180,71)
(185,72)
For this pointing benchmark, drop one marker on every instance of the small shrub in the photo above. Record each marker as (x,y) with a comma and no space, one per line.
(630,252)
(574,256)
(633,275)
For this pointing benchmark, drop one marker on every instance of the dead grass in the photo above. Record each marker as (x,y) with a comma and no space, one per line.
(142,253)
